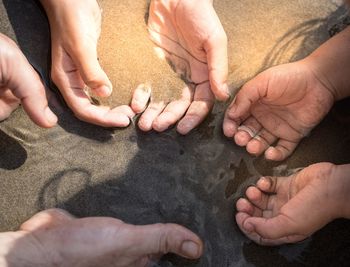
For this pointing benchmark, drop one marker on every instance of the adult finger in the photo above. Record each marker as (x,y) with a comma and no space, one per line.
(140,98)
(86,59)
(164,238)
(80,104)
(217,57)
(27,86)
(173,111)
(151,113)
(203,102)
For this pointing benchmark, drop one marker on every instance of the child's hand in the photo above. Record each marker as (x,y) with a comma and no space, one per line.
(282,104)
(75,29)
(193,40)
(19,83)
(280,210)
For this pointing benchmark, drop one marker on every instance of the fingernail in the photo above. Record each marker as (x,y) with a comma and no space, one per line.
(269,152)
(190,249)
(263,182)
(145,123)
(187,125)
(248,227)
(107,90)
(232,111)
(50,116)
(103,91)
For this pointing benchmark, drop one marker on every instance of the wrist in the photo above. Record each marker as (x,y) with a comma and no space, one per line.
(331,64)
(320,77)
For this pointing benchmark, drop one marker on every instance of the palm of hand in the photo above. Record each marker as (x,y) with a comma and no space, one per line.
(184,35)
(75,64)
(173,31)
(290,101)
(288,209)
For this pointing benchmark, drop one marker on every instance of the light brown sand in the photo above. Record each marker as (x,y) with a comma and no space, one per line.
(127,55)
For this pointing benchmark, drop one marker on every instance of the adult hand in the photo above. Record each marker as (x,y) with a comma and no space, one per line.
(193,40)
(19,83)
(75,29)
(56,238)
(282,105)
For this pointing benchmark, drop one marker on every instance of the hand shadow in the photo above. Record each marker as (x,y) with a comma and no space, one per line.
(12,154)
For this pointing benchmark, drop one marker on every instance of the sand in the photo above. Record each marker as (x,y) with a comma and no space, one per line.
(147,178)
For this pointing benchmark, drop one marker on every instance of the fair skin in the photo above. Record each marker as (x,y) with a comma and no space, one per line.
(195,43)
(282,105)
(16,74)
(75,64)
(56,238)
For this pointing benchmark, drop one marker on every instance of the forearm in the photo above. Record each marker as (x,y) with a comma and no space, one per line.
(331,64)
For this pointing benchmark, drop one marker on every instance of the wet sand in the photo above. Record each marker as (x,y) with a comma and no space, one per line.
(192,180)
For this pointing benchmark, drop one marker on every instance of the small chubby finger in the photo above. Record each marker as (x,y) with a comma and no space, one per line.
(268,184)
(281,151)
(229,127)
(257,198)
(247,130)
(241,217)
(244,205)
(261,142)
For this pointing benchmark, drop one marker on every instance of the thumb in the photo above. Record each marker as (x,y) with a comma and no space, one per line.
(85,57)
(273,228)
(247,96)
(217,57)
(26,85)
(165,238)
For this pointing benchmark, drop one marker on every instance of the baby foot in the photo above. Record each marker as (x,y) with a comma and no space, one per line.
(290,209)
